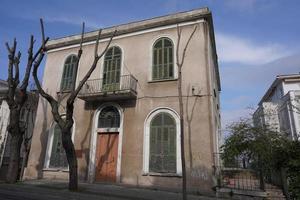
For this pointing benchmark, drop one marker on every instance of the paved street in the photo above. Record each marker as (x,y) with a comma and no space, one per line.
(36,190)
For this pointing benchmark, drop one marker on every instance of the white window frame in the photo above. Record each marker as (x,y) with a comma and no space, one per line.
(49,148)
(152,43)
(146,156)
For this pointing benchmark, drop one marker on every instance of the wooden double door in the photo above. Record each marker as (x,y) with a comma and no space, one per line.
(107,157)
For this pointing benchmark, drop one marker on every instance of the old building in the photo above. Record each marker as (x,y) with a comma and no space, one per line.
(126,116)
(279,108)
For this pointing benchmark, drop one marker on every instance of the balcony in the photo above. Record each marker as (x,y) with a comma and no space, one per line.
(101,89)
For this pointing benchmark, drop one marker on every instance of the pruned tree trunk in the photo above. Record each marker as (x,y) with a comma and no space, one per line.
(181,113)
(14,157)
(71,157)
(179,63)
(16,98)
(66,124)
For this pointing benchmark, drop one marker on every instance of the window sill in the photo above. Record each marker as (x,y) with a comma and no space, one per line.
(163,80)
(56,170)
(162,174)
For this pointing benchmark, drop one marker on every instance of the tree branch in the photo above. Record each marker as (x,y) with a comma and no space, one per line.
(11,57)
(49,98)
(92,68)
(187,44)
(43,33)
(31,59)
(79,53)
(10,79)
(177,46)
(37,59)
(29,64)
(82,36)
(17,72)
(97,44)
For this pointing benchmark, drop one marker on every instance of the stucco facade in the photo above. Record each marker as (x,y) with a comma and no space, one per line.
(201,87)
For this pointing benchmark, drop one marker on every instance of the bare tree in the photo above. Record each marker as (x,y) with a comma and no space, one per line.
(179,63)
(16,98)
(66,123)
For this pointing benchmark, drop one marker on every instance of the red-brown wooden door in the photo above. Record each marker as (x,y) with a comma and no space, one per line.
(106,157)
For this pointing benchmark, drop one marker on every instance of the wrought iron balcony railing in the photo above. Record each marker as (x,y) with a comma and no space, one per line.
(120,88)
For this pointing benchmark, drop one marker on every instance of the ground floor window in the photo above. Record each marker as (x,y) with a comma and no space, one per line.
(55,154)
(58,157)
(162,142)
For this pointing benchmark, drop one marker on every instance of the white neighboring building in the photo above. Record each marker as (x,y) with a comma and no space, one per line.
(279,108)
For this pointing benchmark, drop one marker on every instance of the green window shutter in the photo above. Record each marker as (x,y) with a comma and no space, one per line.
(69,73)
(112,69)
(162,158)
(58,157)
(162,65)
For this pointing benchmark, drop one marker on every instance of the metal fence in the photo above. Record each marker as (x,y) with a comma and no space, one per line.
(237,174)
(126,82)
(237,178)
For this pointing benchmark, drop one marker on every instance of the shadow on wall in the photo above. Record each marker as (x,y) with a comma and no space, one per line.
(85,149)
(189,119)
(43,139)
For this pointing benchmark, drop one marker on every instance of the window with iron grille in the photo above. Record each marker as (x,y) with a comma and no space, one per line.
(58,157)
(163,65)
(69,73)
(162,144)
(112,69)
(109,117)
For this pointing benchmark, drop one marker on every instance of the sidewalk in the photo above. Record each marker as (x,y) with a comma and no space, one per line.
(46,190)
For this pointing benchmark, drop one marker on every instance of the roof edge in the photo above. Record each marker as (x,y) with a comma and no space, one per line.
(131,27)
(278,79)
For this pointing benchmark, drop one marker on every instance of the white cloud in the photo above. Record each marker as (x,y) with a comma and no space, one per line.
(260,76)
(236,49)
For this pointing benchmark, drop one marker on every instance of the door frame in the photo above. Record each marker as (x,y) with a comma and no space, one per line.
(93,143)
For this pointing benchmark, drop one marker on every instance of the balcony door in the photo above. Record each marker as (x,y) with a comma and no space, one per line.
(112,69)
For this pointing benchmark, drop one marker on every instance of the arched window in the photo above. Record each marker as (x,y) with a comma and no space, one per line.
(163,64)
(69,73)
(162,157)
(112,69)
(58,157)
(109,117)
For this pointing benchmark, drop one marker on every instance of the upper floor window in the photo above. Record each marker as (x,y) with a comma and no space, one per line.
(112,69)
(69,73)
(163,62)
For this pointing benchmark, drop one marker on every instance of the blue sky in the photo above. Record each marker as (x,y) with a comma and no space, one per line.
(256,39)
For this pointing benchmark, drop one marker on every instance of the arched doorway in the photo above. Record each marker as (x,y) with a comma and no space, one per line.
(107,144)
